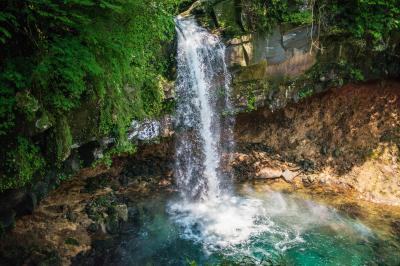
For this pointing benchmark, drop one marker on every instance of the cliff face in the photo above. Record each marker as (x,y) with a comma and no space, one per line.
(292,56)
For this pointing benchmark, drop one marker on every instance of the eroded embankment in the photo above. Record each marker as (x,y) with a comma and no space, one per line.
(348,137)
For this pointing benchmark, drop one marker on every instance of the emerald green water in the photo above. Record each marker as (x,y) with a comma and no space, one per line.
(280,229)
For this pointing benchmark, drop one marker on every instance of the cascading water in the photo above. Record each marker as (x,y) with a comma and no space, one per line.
(209,213)
(205,131)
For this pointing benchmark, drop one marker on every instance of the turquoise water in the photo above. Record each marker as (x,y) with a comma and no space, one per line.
(250,229)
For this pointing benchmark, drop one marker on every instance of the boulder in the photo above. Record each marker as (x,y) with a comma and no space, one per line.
(269,173)
(122,212)
(289,175)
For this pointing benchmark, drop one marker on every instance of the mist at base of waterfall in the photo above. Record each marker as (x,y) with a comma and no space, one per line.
(251,229)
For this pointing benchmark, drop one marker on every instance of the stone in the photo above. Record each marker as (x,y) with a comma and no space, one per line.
(236,55)
(289,175)
(298,38)
(112,225)
(102,227)
(122,212)
(269,173)
(253,72)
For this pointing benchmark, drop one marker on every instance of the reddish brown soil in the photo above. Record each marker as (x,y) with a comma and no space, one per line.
(347,136)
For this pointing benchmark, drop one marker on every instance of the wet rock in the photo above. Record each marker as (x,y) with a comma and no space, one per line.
(122,212)
(112,225)
(102,227)
(289,175)
(269,173)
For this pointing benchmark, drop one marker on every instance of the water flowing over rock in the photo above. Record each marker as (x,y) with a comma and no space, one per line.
(203,123)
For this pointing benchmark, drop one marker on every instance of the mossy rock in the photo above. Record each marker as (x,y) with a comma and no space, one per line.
(254,72)
(83,122)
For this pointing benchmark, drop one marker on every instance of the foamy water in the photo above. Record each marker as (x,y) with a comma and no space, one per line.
(233,225)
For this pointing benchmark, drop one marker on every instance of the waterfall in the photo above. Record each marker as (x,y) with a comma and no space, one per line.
(208,212)
(204,126)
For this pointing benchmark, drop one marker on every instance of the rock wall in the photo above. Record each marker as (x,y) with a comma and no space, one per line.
(289,61)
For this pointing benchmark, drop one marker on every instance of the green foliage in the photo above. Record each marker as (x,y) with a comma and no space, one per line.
(21,163)
(305,92)
(71,241)
(373,20)
(262,15)
(57,54)
(251,103)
